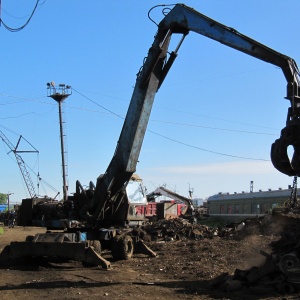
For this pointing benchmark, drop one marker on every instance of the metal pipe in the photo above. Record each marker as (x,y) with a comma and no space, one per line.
(65,189)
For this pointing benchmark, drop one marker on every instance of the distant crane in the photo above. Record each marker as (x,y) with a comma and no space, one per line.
(21,163)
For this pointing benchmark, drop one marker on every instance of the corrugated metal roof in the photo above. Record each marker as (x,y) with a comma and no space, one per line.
(260,194)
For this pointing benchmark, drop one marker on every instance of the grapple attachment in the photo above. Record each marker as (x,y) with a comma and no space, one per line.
(290,136)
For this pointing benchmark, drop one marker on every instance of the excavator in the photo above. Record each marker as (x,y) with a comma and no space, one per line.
(189,210)
(104,206)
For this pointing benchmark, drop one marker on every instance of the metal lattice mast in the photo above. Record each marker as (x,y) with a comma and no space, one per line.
(25,174)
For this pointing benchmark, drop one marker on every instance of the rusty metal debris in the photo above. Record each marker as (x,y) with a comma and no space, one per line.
(279,274)
(179,228)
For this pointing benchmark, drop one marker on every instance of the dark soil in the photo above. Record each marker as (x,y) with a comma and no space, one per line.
(185,268)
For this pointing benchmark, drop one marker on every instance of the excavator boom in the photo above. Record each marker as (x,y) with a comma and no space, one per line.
(183,18)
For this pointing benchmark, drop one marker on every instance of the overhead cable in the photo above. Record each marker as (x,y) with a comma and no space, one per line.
(23,26)
(176,141)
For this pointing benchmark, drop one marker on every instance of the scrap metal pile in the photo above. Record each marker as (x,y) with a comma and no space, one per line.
(178,229)
(280,273)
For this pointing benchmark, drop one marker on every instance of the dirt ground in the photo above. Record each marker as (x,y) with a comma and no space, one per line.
(183,269)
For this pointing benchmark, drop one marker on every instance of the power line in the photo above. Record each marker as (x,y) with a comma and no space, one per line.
(182,124)
(94,102)
(152,120)
(171,139)
(173,123)
(23,26)
(220,119)
(215,128)
(206,150)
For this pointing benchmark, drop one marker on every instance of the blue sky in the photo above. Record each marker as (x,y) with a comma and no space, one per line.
(214,99)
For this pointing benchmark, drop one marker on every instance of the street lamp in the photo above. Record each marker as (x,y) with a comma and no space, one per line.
(8,194)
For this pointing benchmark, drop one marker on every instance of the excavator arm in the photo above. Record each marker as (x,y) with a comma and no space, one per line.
(162,191)
(182,19)
(110,188)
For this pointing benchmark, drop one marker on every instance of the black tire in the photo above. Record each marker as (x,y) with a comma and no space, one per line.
(122,247)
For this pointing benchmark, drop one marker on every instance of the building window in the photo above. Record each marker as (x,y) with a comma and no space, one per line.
(246,208)
(255,208)
(222,209)
(237,209)
(230,209)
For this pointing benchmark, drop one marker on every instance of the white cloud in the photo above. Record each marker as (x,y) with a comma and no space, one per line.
(209,179)
(227,168)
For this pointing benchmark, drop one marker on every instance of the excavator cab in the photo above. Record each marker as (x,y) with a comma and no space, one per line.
(136,201)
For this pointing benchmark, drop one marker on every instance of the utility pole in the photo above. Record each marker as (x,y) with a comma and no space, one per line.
(8,194)
(59,94)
